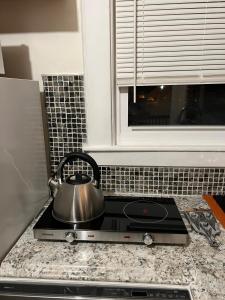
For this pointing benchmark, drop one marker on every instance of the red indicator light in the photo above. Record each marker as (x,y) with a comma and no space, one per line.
(126,236)
(145,211)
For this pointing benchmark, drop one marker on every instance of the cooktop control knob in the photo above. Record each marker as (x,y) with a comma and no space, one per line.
(70,237)
(147,239)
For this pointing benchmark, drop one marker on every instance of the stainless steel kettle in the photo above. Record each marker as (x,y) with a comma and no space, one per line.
(77,198)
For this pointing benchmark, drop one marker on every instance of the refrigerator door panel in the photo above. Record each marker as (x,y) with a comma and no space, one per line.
(23,171)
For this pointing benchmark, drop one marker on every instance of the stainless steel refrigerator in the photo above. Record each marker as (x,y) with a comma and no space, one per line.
(23,174)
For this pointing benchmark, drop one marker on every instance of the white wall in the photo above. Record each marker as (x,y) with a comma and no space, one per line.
(41,37)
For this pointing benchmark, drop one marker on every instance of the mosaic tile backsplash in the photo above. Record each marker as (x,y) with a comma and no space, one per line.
(65,108)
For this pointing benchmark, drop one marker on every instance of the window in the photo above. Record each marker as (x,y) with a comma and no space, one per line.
(161,46)
(177,105)
(171,52)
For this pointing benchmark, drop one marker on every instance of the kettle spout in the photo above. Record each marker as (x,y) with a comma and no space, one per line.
(53,185)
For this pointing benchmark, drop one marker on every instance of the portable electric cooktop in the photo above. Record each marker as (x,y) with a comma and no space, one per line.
(144,220)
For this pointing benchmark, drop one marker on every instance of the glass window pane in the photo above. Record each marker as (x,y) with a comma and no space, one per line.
(177,105)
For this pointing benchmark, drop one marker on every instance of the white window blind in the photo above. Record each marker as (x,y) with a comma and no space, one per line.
(169,41)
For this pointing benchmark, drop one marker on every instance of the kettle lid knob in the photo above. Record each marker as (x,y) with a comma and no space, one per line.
(78,178)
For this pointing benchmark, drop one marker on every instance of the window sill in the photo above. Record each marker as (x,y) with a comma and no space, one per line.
(196,156)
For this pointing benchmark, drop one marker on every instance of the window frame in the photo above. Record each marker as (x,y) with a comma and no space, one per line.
(104,114)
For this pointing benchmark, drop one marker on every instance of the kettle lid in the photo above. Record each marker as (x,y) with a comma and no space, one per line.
(78,178)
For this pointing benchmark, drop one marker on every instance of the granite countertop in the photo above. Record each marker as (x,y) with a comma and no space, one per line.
(197,265)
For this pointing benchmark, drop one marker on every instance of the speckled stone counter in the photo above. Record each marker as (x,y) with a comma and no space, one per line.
(198,265)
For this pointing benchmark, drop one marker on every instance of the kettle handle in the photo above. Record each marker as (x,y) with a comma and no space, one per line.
(73,156)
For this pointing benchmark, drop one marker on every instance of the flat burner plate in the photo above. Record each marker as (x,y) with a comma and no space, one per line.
(124,218)
(145,212)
